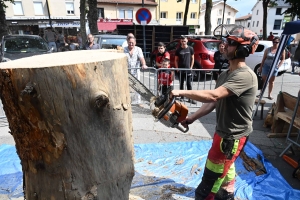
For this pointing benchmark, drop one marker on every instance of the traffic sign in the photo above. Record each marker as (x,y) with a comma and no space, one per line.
(143,16)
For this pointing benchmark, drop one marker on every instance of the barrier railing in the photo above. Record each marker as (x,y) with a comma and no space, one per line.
(201,79)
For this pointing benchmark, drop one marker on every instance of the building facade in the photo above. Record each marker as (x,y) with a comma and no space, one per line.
(244,21)
(216,16)
(275,20)
(34,16)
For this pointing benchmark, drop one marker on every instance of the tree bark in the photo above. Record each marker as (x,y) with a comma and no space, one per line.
(207,17)
(83,21)
(265,17)
(187,4)
(93,16)
(70,116)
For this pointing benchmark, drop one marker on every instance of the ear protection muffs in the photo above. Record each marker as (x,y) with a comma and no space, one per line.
(242,51)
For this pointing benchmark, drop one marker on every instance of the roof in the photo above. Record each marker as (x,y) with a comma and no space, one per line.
(203,6)
(246,17)
(138,2)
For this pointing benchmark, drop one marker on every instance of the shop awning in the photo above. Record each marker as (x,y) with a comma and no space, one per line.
(110,25)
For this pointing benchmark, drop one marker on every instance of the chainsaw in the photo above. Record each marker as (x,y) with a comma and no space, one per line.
(168,111)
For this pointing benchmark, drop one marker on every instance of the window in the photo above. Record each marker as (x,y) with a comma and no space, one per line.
(193,1)
(125,14)
(101,13)
(278,11)
(178,16)
(277,24)
(121,14)
(129,14)
(248,24)
(257,23)
(193,15)
(219,21)
(38,8)
(70,8)
(18,8)
(172,46)
(165,0)
(163,15)
(229,13)
(253,23)
(220,12)
(257,12)
(228,21)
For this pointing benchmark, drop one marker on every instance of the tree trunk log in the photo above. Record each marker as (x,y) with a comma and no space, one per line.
(70,116)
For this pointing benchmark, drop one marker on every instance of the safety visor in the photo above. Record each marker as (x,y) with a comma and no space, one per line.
(226,30)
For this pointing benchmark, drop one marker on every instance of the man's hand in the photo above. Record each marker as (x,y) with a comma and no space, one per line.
(144,66)
(175,93)
(186,122)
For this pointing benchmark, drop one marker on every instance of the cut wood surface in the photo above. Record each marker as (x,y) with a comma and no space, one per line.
(70,116)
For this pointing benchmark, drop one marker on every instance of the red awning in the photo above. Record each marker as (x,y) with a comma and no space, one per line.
(110,25)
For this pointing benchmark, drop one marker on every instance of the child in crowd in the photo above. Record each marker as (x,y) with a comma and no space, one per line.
(165,77)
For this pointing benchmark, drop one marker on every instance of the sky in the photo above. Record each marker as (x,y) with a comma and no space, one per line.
(243,6)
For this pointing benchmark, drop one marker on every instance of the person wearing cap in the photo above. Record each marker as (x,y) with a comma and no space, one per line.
(233,99)
(161,55)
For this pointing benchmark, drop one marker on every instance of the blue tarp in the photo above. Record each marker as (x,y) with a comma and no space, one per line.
(172,170)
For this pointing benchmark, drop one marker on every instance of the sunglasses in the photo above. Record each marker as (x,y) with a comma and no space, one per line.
(232,43)
(275,42)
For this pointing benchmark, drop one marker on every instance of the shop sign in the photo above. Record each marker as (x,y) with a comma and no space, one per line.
(115,20)
(61,24)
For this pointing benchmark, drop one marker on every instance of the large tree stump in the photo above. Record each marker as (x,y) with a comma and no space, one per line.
(70,116)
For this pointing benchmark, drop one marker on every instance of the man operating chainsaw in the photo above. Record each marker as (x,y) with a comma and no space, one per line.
(233,98)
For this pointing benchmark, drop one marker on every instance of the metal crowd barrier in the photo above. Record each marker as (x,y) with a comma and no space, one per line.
(202,79)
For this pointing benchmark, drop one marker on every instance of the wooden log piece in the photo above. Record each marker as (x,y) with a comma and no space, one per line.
(70,116)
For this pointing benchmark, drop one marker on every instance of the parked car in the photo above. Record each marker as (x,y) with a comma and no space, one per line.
(110,41)
(254,60)
(204,49)
(20,46)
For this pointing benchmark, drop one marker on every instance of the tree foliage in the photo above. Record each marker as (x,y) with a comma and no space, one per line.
(294,10)
(3,25)
(208,17)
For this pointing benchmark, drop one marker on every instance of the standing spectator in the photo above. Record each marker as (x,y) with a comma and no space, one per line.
(165,77)
(233,99)
(125,44)
(296,58)
(266,65)
(90,45)
(270,37)
(184,59)
(219,60)
(79,40)
(161,55)
(60,40)
(135,59)
(51,38)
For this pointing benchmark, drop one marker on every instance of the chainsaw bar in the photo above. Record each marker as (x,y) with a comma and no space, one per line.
(139,87)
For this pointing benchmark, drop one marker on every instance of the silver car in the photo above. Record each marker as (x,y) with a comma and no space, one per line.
(20,46)
(254,60)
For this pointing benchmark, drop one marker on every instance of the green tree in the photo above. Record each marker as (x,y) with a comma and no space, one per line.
(92,16)
(207,17)
(294,10)
(3,25)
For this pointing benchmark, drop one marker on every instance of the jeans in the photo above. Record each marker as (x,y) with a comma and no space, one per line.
(52,44)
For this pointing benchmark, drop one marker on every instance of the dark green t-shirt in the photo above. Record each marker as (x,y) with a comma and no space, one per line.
(234,113)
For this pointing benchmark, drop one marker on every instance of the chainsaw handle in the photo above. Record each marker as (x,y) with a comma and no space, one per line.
(168,107)
(182,129)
